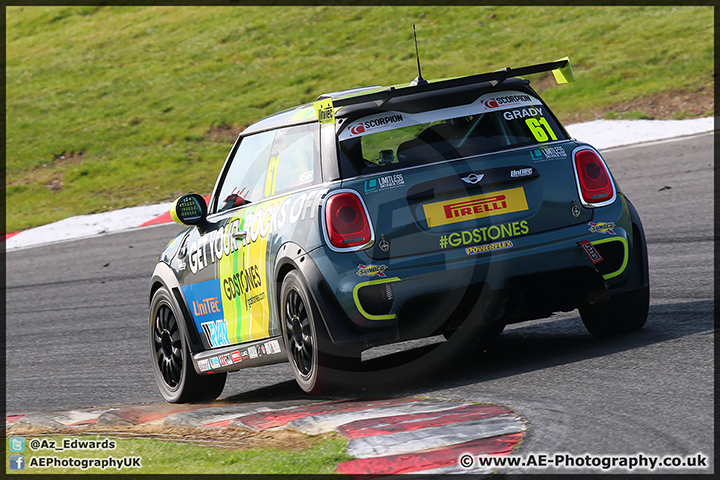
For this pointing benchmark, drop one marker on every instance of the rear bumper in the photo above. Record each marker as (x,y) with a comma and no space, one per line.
(530,277)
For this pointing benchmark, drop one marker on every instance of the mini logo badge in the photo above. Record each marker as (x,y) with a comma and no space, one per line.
(473,178)
(371,270)
(602,227)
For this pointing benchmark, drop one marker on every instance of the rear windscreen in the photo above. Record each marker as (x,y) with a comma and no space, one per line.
(496,121)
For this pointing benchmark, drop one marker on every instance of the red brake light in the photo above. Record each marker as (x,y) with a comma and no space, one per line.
(346,221)
(593,177)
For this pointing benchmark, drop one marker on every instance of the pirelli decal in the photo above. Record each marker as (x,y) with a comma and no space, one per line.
(477,206)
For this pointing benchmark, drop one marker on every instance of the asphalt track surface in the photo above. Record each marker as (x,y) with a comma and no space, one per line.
(76,333)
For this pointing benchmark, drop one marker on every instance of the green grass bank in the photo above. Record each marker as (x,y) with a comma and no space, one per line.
(110,107)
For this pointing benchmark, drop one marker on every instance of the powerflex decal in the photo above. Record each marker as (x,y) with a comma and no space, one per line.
(488,248)
(216,333)
(602,227)
(371,270)
(477,206)
(485,234)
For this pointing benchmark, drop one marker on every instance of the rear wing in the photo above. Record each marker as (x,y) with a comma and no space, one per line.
(560,68)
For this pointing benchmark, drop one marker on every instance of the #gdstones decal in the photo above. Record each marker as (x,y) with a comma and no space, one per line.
(484,234)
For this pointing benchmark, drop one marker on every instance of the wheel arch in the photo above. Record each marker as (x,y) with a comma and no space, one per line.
(163,276)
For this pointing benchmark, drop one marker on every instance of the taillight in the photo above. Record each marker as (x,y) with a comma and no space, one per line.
(593,177)
(346,221)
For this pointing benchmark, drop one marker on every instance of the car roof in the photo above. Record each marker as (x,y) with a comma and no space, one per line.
(408,97)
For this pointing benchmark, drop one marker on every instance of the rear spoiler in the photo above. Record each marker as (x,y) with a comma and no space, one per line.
(560,68)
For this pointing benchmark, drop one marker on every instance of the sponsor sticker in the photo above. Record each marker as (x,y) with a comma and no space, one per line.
(224,360)
(273,346)
(591,251)
(236,357)
(488,248)
(384,183)
(505,101)
(602,227)
(244,355)
(376,123)
(252,351)
(484,234)
(324,111)
(215,362)
(204,365)
(547,154)
(371,270)
(216,333)
(477,206)
(523,172)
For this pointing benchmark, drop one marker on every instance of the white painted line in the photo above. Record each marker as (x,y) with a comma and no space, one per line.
(434,437)
(327,422)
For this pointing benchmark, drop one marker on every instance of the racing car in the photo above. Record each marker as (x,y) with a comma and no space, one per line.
(379,215)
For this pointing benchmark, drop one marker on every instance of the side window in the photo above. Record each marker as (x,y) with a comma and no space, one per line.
(294,159)
(271,163)
(245,178)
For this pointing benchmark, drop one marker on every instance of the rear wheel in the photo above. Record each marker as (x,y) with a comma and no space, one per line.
(624,312)
(313,357)
(172,367)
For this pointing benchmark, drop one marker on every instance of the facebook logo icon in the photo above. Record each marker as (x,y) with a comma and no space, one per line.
(17,462)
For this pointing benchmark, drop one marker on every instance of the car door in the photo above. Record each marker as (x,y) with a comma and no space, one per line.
(230,292)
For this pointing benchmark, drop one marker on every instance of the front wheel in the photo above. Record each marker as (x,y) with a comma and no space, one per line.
(171,364)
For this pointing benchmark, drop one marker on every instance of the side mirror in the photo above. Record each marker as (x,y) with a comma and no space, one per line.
(189,209)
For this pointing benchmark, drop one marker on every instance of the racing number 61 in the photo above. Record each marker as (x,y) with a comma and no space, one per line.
(536,127)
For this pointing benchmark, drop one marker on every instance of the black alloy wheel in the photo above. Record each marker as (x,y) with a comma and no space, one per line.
(168,346)
(299,333)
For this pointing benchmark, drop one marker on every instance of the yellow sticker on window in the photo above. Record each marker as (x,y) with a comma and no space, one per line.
(477,206)
(324,110)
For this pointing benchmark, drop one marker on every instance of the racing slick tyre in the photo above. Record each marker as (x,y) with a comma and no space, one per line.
(172,367)
(308,344)
(624,312)
(628,310)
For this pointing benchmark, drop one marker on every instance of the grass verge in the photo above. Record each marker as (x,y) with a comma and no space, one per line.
(150,456)
(110,107)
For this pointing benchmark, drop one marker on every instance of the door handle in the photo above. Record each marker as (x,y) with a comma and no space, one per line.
(239,235)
